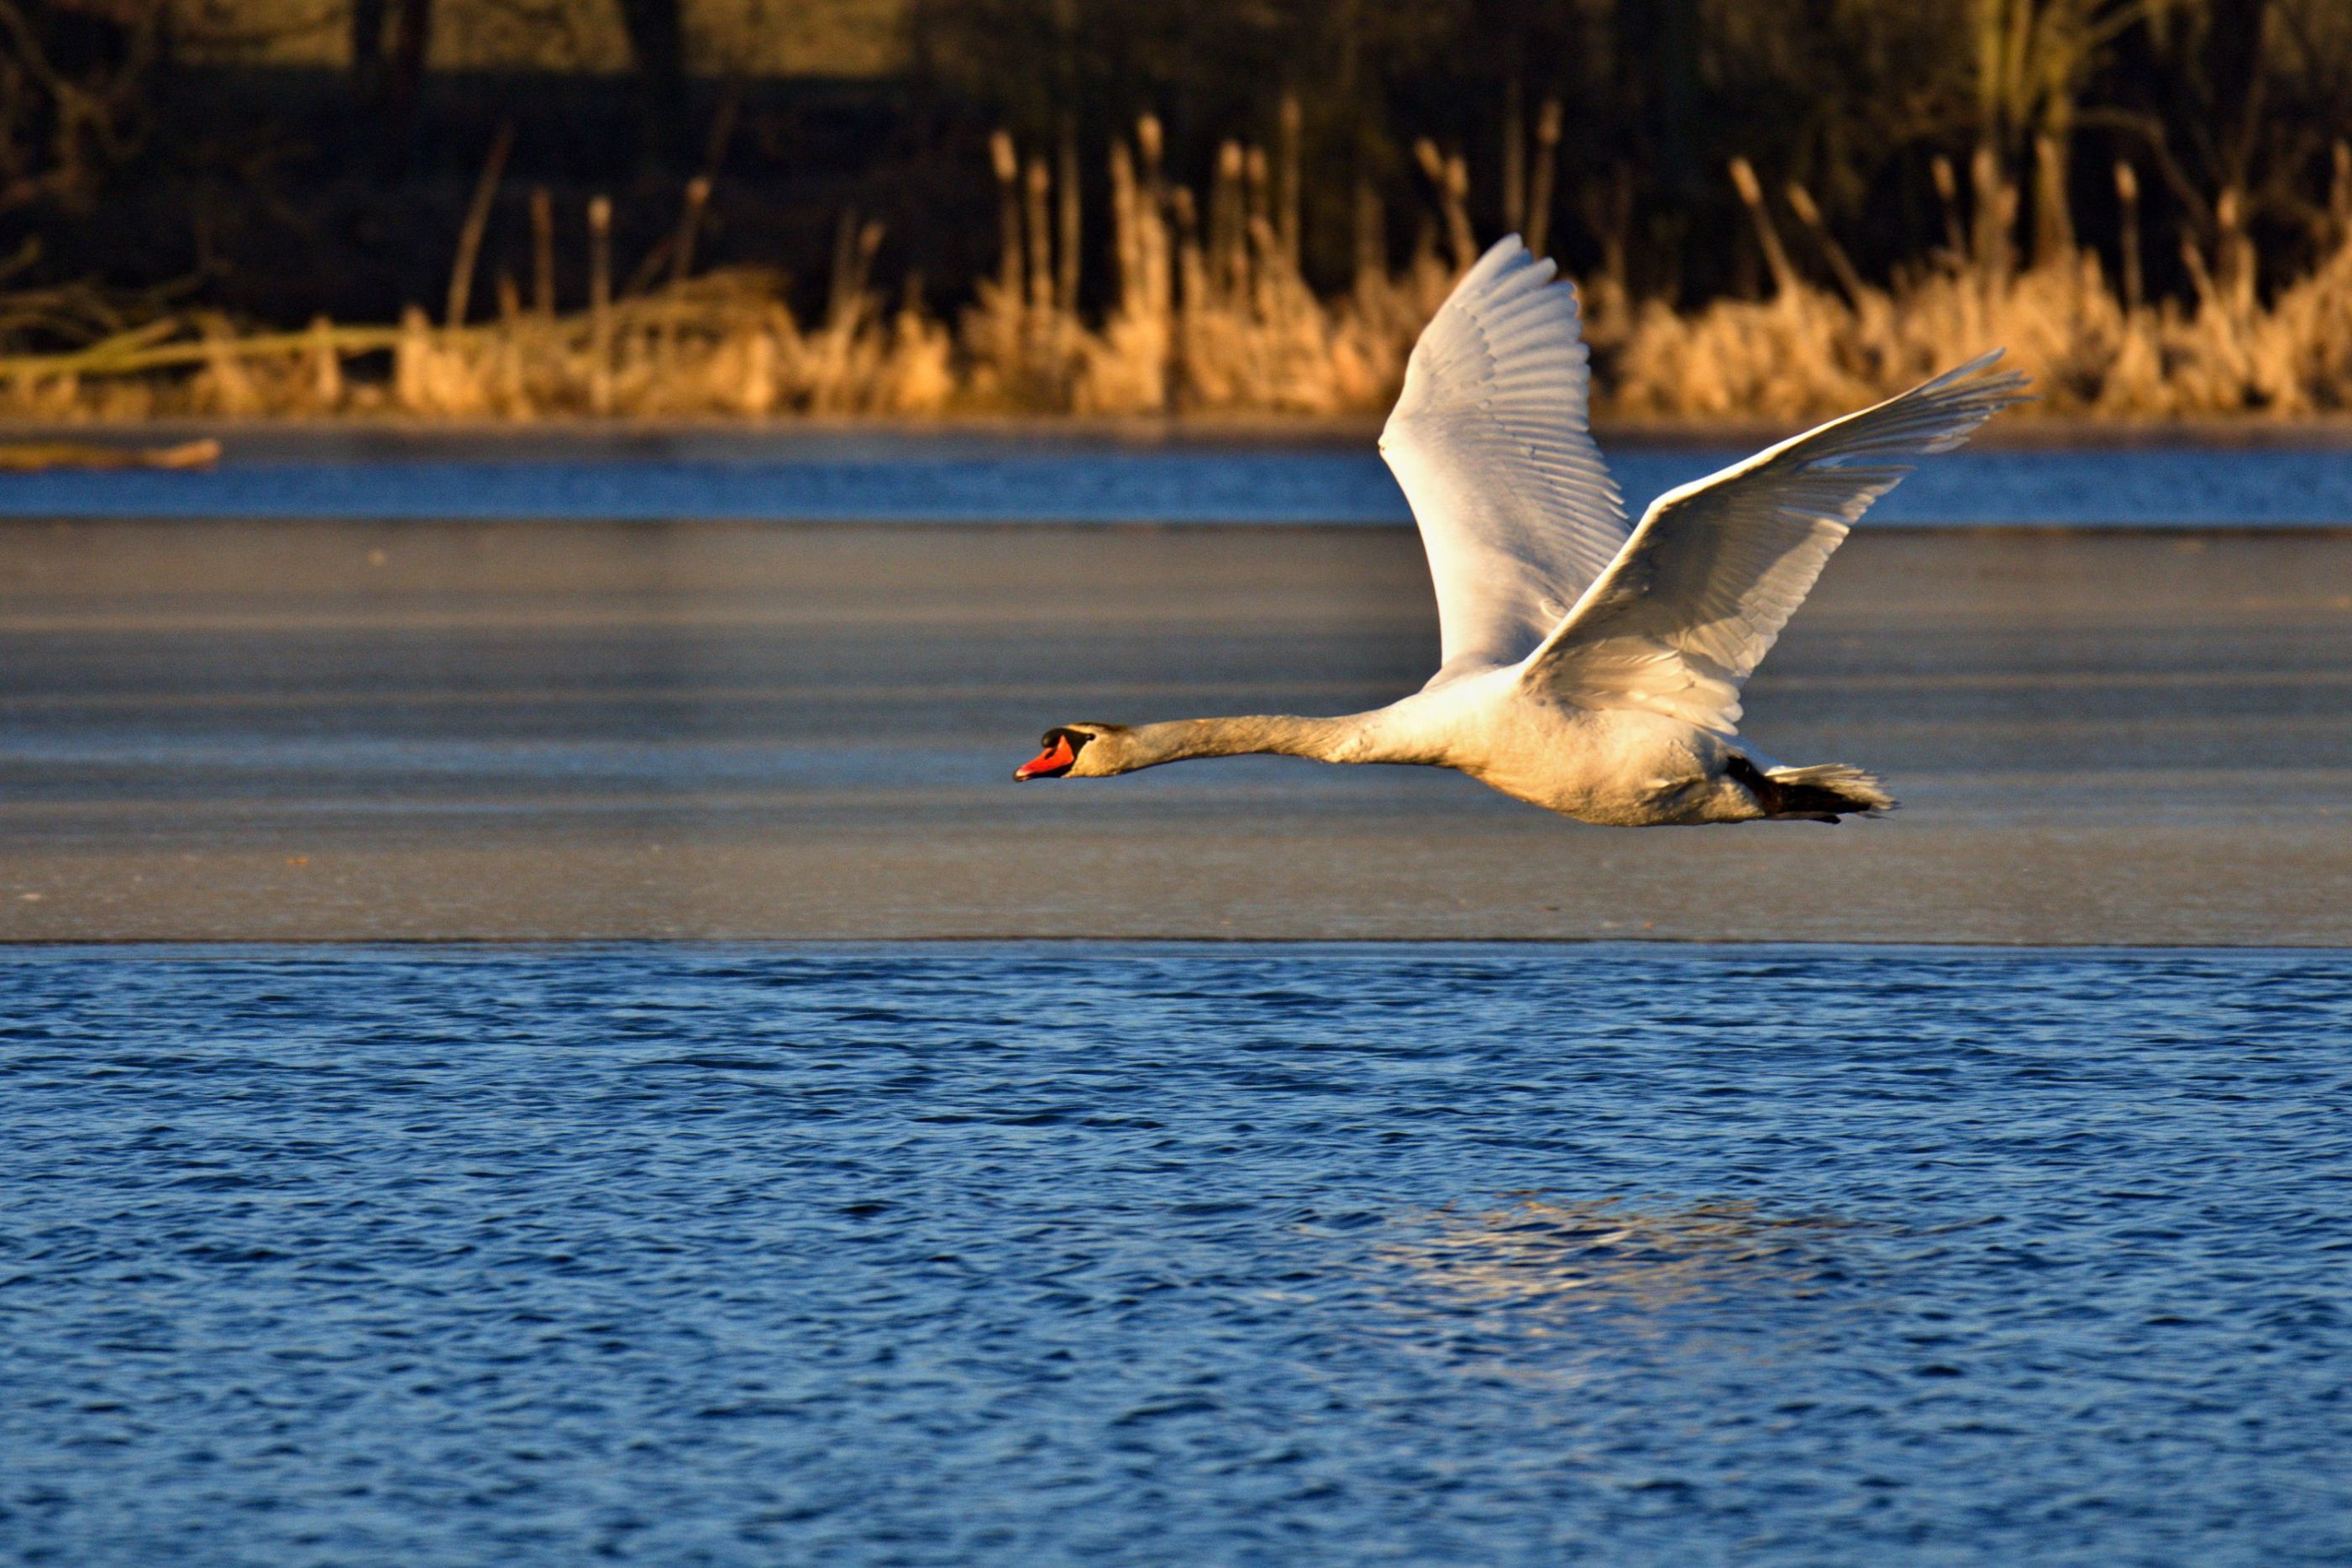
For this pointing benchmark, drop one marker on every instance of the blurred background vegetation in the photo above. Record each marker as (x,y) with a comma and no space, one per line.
(240,165)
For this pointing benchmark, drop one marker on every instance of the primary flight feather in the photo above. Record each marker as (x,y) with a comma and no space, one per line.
(1589,668)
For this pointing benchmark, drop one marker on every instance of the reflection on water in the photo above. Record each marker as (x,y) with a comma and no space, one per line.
(1607,1253)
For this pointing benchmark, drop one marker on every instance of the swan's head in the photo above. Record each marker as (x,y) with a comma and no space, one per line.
(1078,751)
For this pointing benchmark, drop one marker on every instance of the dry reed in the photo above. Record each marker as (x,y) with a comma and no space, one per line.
(1208,311)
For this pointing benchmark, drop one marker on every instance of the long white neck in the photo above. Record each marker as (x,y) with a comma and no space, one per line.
(1350,738)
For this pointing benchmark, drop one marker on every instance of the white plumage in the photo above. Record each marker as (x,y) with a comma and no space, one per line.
(1490,442)
(1591,670)
(1701,590)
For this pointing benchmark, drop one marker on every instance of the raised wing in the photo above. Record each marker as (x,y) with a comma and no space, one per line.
(1490,441)
(1701,590)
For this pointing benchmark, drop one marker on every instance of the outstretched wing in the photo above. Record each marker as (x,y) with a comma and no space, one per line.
(1701,590)
(1490,441)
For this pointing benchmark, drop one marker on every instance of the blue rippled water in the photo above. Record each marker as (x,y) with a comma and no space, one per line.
(1163,1255)
(835,478)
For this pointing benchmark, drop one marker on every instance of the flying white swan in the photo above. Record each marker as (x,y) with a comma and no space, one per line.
(1590,669)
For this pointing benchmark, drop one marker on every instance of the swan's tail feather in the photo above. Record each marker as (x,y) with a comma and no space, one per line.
(1821,793)
(1826,790)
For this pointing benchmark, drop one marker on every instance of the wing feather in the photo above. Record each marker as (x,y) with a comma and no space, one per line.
(1702,588)
(1491,442)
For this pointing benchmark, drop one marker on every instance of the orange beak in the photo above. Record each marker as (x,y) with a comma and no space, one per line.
(1051,763)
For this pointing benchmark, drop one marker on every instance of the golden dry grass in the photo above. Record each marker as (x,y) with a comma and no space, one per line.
(1209,313)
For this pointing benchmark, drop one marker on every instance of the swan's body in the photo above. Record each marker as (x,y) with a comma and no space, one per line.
(1588,668)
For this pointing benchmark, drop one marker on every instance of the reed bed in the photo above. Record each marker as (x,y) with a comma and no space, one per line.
(1208,311)
(2093,349)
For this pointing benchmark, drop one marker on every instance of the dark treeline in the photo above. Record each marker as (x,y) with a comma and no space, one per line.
(1908,125)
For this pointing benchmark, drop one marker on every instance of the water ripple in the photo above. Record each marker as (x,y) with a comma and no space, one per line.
(1151,1254)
